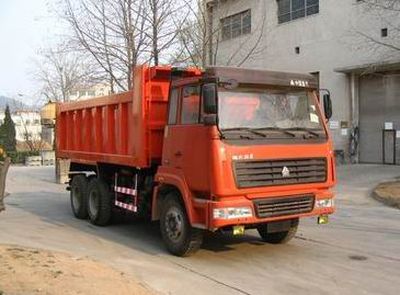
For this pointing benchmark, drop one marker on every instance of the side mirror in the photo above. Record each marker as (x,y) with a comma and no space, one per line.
(210,120)
(327,106)
(209,94)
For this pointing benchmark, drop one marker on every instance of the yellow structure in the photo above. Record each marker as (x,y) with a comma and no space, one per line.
(48,113)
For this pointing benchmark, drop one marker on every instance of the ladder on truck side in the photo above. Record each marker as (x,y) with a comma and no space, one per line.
(125,191)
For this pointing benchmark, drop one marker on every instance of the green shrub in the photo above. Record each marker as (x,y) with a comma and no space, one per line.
(7,132)
(19,157)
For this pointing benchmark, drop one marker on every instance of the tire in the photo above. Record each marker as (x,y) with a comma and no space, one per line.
(78,196)
(99,203)
(180,238)
(278,237)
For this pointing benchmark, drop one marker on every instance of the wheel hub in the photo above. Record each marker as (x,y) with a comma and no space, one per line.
(174,224)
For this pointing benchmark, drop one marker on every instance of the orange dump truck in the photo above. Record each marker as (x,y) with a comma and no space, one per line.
(221,149)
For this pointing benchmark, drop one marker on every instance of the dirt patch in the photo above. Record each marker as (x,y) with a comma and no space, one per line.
(389,193)
(32,271)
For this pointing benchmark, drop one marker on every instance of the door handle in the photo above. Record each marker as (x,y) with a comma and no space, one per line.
(178,154)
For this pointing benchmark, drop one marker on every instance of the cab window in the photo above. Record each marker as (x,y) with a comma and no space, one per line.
(173,106)
(190,105)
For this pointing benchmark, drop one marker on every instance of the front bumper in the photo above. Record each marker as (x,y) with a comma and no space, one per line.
(216,221)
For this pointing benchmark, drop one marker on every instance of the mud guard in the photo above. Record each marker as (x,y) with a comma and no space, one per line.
(172,179)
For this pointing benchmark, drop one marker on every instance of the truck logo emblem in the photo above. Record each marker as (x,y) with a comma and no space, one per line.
(285,172)
(242,157)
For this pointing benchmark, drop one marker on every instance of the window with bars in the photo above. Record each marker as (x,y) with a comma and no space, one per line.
(293,9)
(236,25)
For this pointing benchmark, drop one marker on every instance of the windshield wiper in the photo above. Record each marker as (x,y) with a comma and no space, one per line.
(306,130)
(276,129)
(251,130)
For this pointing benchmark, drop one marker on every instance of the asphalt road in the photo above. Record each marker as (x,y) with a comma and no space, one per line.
(357,253)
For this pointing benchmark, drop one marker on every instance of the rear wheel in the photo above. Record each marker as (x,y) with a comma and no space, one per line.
(280,237)
(180,238)
(79,192)
(99,202)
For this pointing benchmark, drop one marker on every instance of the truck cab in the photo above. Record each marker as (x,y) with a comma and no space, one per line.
(242,149)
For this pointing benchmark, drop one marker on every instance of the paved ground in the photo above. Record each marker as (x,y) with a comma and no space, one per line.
(357,253)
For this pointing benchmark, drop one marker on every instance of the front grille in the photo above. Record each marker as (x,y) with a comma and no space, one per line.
(254,173)
(272,207)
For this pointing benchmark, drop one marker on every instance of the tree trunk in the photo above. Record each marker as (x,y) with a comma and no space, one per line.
(3,175)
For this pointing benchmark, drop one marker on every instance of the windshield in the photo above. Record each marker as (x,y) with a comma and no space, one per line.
(268,109)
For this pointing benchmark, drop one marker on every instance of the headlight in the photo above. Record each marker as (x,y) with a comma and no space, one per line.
(324,203)
(232,213)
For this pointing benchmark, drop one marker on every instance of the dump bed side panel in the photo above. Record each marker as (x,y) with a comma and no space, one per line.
(157,104)
(124,129)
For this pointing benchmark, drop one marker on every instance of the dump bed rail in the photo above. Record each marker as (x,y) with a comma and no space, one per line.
(125,129)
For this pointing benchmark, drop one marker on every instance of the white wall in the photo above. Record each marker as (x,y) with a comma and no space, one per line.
(328,40)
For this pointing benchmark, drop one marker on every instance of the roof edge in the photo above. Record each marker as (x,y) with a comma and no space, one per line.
(368,68)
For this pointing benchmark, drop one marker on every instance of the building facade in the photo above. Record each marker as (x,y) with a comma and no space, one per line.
(86,92)
(351,47)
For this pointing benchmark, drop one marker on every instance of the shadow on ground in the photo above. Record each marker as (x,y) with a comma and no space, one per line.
(139,234)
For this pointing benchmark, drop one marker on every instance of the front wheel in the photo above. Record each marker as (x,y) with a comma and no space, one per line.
(180,238)
(280,237)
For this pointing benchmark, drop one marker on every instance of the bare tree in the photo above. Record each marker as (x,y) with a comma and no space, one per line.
(112,32)
(59,72)
(200,37)
(163,21)
(193,37)
(32,140)
(388,12)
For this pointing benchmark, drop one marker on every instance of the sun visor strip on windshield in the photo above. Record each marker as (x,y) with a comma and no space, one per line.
(260,77)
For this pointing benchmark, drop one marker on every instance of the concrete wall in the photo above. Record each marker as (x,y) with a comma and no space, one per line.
(328,40)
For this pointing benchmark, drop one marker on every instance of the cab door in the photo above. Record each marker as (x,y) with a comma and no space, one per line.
(187,141)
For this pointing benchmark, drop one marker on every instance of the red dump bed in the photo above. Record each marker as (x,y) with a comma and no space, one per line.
(125,129)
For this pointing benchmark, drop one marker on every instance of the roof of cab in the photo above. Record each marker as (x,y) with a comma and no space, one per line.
(246,76)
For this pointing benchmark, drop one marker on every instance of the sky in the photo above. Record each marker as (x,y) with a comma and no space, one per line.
(25,26)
